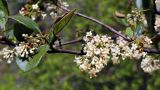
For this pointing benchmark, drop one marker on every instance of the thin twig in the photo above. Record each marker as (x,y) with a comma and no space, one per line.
(98,22)
(54,50)
(152,51)
(72,42)
(6,41)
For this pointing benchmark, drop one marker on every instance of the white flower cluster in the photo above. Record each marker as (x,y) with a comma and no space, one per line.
(29,48)
(33,13)
(35,6)
(150,64)
(157,23)
(100,49)
(51,9)
(143,41)
(134,17)
(24,50)
(7,54)
(97,54)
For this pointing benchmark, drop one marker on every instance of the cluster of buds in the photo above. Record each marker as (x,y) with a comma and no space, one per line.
(29,47)
(7,54)
(143,41)
(101,49)
(32,11)
(23,50)
(134,17)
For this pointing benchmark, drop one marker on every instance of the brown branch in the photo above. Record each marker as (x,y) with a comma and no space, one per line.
(98,22)
(54,50)
(6,41)
(111,29)
(72,42)
(152,51)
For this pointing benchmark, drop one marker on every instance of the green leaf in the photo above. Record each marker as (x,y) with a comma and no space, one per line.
(20,29)
(3,13)
(149,6)
(129,32)
(63,22)
(60,24)
(27,65)
(26,21)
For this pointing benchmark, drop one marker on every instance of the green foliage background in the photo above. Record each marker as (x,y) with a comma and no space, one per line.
(59,72)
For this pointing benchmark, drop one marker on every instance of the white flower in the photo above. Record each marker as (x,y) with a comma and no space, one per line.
(148,40)
(89,34)
(43,15)
(134,46)
(22,11)
(121,42)
(89,53)
(78,60)
(115,60)
(53,14)
(86,39)
(96,38)
(33,17)
(25,35)
(97,51)
(35,6)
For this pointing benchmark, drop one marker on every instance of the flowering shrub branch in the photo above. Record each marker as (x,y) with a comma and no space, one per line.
(29,43)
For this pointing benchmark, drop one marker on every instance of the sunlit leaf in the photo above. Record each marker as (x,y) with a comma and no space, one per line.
(60,24)
(29,23)
(63,22)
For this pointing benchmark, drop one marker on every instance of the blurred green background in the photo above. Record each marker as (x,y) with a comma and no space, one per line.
(59,72)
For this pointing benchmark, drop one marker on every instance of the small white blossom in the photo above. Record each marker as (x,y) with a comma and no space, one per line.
(22,11)
(134,46)
(35,6)
(134,17)
(89,34)
(43,15)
